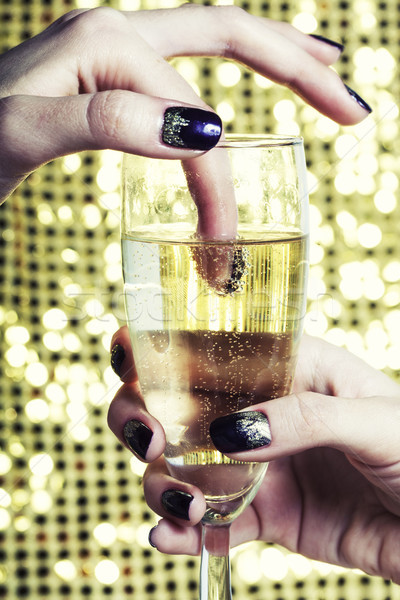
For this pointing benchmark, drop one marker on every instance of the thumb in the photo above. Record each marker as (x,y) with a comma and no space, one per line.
(363,428)
(35,130)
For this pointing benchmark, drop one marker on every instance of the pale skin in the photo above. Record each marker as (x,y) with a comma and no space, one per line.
(332,490)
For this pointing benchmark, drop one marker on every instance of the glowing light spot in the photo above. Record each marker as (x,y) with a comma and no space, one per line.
(41,501)
(374,288)
(226,111)
(137,466)
(346,182)
(5,498)
(346,220)
(53,341)
(17,335)
(262,82)
(22,523)
(391,272)
(284,110)
(228,74)
(306,22)
(108,178)
(65,569)
(300,565)
(54,318)
(107,572)
(71,163)
(126,534)
(94,308)
(248,566)
(72,342)
(41,464)
(367,21)
(369,235)
(142,535)
(273,564)
(187,68)
(346,146)
(5,519)
(111,201)
(36,374)
(105,534)
(79,432)
(37,410)
(17,355)
(45,214)
(20,498)
(69,256)
(55,392)
(385,201)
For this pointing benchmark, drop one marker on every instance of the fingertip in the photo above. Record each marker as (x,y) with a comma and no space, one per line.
(136,429)
(170,538)
(121,359)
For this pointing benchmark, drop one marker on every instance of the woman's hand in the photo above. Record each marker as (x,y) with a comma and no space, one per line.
(332,489)
(100,79)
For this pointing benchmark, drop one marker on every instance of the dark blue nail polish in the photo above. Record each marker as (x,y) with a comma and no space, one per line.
(117,358)
(358,99)
(240,431)
(177,503)
(328,41)
(152,544)
(138,437)
(193,128)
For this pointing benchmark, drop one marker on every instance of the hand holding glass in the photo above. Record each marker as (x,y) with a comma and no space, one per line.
(215,323)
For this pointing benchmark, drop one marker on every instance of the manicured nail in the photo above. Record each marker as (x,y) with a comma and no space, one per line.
(358,99)
(328,41)
(177,503)
(117,358)
(138,437)
(191,128)
(240,431)
(150,534)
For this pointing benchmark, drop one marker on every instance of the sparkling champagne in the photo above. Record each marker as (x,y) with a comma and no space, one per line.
(215,328)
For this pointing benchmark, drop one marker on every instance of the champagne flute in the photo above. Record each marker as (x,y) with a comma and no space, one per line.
(215,323)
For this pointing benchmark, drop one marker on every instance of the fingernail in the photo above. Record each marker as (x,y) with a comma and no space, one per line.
(191,128)
(138,437)
(358,99)
(150,534)
(117,358)
(328,41)
(177,503)
(240,431)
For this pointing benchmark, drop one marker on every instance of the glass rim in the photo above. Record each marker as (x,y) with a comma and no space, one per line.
(258,140)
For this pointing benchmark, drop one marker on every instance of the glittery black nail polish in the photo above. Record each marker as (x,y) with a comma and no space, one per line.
(328,41)
(177,503)
(193,128)
(240,431)
(138,437)
(358,99)
(117,358)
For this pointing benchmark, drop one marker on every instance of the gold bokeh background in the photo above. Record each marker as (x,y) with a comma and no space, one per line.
(73,522)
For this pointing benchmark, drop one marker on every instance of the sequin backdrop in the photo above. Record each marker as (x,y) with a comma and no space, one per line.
(73,523)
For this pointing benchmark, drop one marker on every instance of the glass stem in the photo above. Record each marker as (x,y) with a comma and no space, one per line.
(215,570)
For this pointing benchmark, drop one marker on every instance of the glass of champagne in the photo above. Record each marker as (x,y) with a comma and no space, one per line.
(215,323)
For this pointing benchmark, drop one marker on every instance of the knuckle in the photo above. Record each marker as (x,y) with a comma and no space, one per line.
(88,23)
(106,116)
(312,415)
(232,18)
